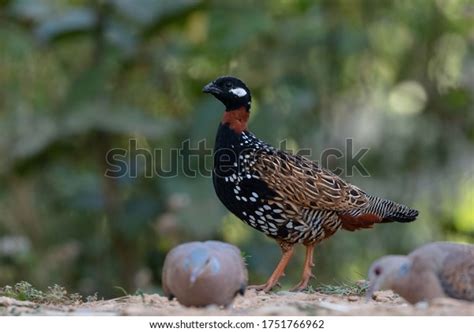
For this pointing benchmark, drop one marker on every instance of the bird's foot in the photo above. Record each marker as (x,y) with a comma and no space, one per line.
(303,284)
(266,287)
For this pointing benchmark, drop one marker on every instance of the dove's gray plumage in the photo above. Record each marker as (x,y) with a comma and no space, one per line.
(204,273)
(439,269)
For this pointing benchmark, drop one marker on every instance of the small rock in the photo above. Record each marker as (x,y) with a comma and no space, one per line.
(422,305)
(362,283)
(382,296)
(353,298)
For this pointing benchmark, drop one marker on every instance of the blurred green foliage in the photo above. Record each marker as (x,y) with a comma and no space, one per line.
(78,78)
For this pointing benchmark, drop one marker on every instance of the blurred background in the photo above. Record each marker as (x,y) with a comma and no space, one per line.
(78,78)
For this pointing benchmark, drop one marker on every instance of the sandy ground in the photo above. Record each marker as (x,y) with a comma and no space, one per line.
(253,303)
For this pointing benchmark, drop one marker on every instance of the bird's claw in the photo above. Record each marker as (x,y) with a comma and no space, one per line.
(265,287)
(299,287)
(303,284)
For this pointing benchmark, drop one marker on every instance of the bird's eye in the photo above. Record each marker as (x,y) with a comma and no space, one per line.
(228,85)
(378,271)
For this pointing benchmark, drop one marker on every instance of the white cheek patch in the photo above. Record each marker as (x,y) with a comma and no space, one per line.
(239,92)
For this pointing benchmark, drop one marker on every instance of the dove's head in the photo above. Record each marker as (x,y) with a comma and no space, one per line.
(389,272)
(200,263)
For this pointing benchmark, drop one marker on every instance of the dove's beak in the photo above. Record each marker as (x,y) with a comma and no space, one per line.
(195,273)
(373,287)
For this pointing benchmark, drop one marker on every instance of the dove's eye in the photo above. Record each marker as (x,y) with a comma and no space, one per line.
(378,271)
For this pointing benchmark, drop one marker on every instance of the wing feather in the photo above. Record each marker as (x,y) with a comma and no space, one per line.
(302,182)
(457,275)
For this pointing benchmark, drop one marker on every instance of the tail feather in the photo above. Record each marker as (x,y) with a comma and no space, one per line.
(378,210)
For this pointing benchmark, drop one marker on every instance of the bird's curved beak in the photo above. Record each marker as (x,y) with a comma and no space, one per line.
(211,88)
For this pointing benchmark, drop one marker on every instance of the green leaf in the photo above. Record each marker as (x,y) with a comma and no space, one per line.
(31,10)
(30,135)
(73,22)
(146,12)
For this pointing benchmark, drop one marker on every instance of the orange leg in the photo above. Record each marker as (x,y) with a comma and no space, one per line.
(307,273)
(287,252)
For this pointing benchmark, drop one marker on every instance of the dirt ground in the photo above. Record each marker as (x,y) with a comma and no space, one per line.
(253,303)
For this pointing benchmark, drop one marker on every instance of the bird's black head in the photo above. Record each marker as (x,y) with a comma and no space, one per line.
(231,91)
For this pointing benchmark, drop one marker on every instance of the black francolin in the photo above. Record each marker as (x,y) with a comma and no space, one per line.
(288,197)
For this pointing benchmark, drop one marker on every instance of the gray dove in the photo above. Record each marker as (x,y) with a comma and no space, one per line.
(434,270)
(204,273)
